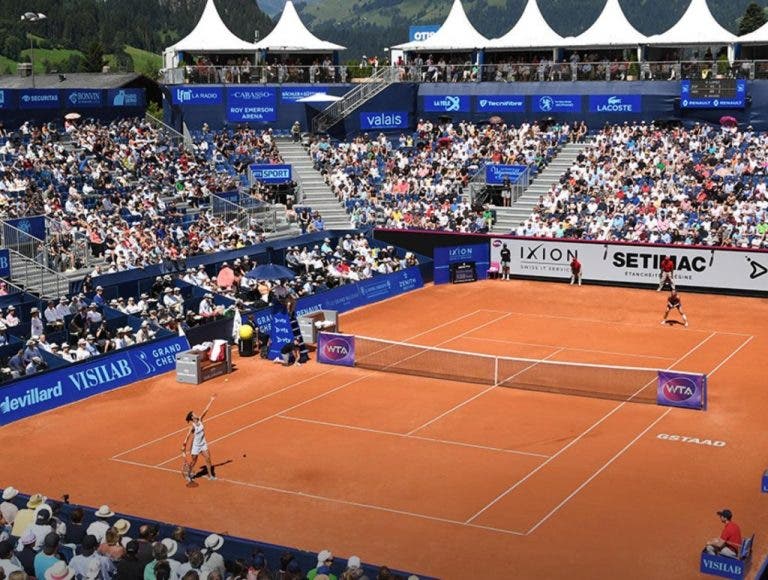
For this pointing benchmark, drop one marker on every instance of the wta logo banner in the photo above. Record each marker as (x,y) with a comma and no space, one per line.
(446,104)
(336,349)
(685,390)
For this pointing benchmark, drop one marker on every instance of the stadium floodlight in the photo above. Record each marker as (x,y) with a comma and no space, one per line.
(32,17)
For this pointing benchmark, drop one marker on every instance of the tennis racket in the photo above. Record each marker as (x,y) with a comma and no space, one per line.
(186,468)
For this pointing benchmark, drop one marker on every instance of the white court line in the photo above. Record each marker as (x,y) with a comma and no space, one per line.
(632,354)
(476,396)
(416,437)
(602,321)
(317,497)
(535,470)
(268,395)
(610,461)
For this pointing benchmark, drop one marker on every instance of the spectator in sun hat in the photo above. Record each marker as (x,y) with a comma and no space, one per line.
(9,507)
(354,569)
(82,352)
(41,527)
(25,517)
(12,319)
(98,298)
(62,309)
(214,560)
(324,563)
(66,353)
(51,315)
(58,571)
(99,528)
(32,350)
(129,567)
(49,556)
(36,326)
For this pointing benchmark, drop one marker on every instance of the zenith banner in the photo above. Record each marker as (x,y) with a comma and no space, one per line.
(336,349)
(685,390)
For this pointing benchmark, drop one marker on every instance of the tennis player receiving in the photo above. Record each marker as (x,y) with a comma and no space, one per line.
(199,444)
(674,302)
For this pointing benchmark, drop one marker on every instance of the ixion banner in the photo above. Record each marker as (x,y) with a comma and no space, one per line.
(700,267)
(446,256)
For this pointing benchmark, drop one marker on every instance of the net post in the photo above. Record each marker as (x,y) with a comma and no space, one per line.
(495,371)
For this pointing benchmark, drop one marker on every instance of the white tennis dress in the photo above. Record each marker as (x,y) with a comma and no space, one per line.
(199,443)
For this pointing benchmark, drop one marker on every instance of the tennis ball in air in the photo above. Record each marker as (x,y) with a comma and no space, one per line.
(246,331)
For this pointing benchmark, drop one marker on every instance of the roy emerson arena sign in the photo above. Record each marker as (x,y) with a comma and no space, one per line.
(737,270)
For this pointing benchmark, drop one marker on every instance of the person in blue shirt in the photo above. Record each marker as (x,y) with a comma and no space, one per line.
(98,299)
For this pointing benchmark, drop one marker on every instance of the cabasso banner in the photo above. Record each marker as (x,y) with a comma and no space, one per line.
(714,268)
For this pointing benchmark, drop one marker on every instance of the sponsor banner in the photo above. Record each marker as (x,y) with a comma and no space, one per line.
(197,95)
(271,173)
(446,256)
(7,101)
(280,332)
(446,103)
(336,349)
(685,390)
(251,104)
(33,226)
(293,94)
(39,99)
(557,104)
(422,32)
(722,566)
(495,173)
(384,120)
(615,104)
(712,268)
(500,104)
(5,263)
(127,97)
(83,99)
(687,101)
(64,385)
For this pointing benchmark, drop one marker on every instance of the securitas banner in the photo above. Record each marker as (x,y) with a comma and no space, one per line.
(271,173)
(446,103)
(336,349)
(384,120)
(189,95)
(83,99)
(62,386)
(258,104)
(615,104)
(293,94)
(127,97)
(685,390)
(495,173)
(557,104)
(500,104)
(39,99)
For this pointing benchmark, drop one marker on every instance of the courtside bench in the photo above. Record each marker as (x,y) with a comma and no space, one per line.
(726,567)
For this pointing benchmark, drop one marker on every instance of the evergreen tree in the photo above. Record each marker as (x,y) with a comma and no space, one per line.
(94,58)
(753,18)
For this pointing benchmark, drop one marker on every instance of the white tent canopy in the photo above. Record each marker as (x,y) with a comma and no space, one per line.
(456,33)
(759,36)
(697,27)
(211,35)
(531,31)
(611,29)
(290,35)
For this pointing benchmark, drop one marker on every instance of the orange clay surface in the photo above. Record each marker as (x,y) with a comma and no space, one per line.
(450,479)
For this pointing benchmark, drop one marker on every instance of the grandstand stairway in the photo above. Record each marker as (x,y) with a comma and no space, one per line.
(36,278)
(508,218)
(316,194)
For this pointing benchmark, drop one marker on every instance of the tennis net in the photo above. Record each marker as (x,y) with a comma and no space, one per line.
(617,383)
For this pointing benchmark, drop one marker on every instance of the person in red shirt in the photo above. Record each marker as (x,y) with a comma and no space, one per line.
(667,273)
(575,271)
(674,302)
(729,542)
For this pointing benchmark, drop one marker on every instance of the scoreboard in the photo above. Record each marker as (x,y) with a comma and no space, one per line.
(713,94)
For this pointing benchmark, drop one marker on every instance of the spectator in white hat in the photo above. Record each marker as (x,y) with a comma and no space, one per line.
(324,563)
(82,350)
(36,326)
(9,509)
(12,319)
(58,571)
(26,516)
(212,559)
(98,529)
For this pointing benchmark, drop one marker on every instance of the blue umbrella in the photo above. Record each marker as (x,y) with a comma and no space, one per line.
(270,272)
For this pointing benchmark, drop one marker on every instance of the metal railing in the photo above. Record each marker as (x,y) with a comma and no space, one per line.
(175,137)
(258,74)
(35,277)
(262,217)
(78,243)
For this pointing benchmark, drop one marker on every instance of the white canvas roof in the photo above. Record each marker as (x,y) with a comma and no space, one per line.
(212,35)
(610,29)
(456,33)
(696,27)
(531,31)
(290,35)
(759,36)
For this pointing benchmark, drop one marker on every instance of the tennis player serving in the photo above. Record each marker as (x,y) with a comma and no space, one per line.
(199,443)
(674,302)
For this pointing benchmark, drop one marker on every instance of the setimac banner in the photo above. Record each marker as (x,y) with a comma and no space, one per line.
(738,270)
(336,349)
(685,390)
(65,385)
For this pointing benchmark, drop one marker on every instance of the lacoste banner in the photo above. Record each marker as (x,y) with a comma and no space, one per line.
(685,390)
(700,267)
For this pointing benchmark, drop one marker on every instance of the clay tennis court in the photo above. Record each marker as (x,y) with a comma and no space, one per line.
(447,478)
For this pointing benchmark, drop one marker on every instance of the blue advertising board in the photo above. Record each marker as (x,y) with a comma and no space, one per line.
(251,104)
(7,100)
(280,332)
(271,173)
(197,95)
(688,101)
(619,104)
(500,104)
(557,104)
(444,257)
(65,385)
(422,32)
(39,99)
(495,173)
(295,93)
(5,263)
(127,97)
(83,99)
(384,120)
(34,226)
(446,103)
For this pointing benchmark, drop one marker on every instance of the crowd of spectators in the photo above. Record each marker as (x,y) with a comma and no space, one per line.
(640,182)
(420,181)
(39,539)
